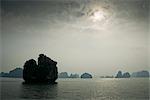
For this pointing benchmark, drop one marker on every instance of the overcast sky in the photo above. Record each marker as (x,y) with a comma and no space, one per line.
(96,36)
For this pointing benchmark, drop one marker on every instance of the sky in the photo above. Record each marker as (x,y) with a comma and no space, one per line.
(95,36)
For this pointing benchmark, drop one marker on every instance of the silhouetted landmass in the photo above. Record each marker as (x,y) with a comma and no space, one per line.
(18,72)
(15,73)
(74,76)
(44,71)
(119,74)
(3,74)
(106,76)
(86,75)
(124,75)
(63,75)
(140,74)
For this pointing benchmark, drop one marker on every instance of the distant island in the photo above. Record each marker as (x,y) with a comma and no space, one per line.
(86,75)
(65,75)
(74,76)
(140,74)
(15,73)
(107,76)
(18,73)
(133,75)
(123,75)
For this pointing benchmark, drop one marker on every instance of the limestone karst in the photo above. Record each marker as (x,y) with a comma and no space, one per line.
(43,71)
(86,75)
(123,75)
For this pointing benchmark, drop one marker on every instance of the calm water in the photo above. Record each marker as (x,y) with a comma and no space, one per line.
(77,89)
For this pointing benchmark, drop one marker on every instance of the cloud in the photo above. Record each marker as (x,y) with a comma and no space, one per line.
(63,30)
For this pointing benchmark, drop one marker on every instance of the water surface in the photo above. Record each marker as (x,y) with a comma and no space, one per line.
(77,89)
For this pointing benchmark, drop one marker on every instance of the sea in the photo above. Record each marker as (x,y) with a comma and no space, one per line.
(77,89)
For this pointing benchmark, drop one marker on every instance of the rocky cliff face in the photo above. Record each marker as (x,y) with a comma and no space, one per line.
(44,71)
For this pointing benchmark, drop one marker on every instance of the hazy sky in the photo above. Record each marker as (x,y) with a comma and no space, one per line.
(96,36)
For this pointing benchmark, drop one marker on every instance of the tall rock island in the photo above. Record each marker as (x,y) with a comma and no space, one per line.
(43,71)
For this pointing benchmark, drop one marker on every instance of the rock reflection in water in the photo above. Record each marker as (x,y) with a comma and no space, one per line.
(39,91)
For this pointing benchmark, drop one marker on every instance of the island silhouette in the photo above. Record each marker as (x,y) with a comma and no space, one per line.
(123,75)
(18,73)
(86,75)
(45,71)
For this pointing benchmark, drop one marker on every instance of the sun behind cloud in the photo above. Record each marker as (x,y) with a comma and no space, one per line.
(98,15)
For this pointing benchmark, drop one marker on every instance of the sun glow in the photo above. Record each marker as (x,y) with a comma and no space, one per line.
(98,16)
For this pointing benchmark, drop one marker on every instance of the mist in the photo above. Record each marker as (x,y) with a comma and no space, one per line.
(68,32)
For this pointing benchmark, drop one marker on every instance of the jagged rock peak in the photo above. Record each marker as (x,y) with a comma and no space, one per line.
(43,71)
